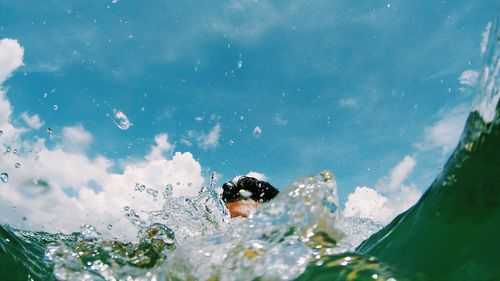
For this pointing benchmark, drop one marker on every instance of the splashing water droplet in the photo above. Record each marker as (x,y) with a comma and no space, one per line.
(121,120)
(139,187)
(89,232)
(56,107)
(4,177)
(126,208)
(110,226)
(152,192)
(168,190)
(1,133)
(49,131)
(190,184)
(8,149)
(17,165)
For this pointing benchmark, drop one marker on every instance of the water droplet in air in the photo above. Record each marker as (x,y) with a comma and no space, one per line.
(56,107)
(17,165)
(8,149)
(49,131)
(89,232)
(178,183)
(4,177)
(240,64)
(110,226)
(126,208)
(139,187)
(121,120)
(190,184)
(1,133)
(168,190)
(152,192)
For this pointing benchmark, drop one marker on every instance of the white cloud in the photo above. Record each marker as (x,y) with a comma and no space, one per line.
(10,133)
(468,78)
(349,102)
(39,188)
(387,201)
(257,131)
(364,202)
(398,174)
(75,138)
(32,121)
(446,132)
(368,203)
(161,147)
(203,140)
(11,57)
(257,175)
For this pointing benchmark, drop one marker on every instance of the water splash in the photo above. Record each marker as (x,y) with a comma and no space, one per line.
(281,239)
(297,234)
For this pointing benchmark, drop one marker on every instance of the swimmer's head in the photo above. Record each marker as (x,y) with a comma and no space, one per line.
(244,195)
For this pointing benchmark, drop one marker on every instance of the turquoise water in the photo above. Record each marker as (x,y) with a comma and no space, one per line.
(450,234)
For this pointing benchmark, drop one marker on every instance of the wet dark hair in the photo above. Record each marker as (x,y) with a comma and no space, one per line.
(248,188)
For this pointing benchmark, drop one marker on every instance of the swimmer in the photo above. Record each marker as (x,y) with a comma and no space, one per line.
(245,194)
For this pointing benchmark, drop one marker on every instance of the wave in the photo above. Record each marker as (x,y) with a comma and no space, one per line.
(452,232)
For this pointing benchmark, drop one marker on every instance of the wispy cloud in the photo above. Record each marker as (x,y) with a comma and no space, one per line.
(33,121)
(246,19)
(398,174)
(468,78)
(204,140)
(445,133)
(279,120)
(348,102)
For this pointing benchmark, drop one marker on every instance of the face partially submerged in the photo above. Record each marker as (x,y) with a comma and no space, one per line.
(242,208)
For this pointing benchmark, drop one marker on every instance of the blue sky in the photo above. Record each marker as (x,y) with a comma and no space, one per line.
(286,89)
